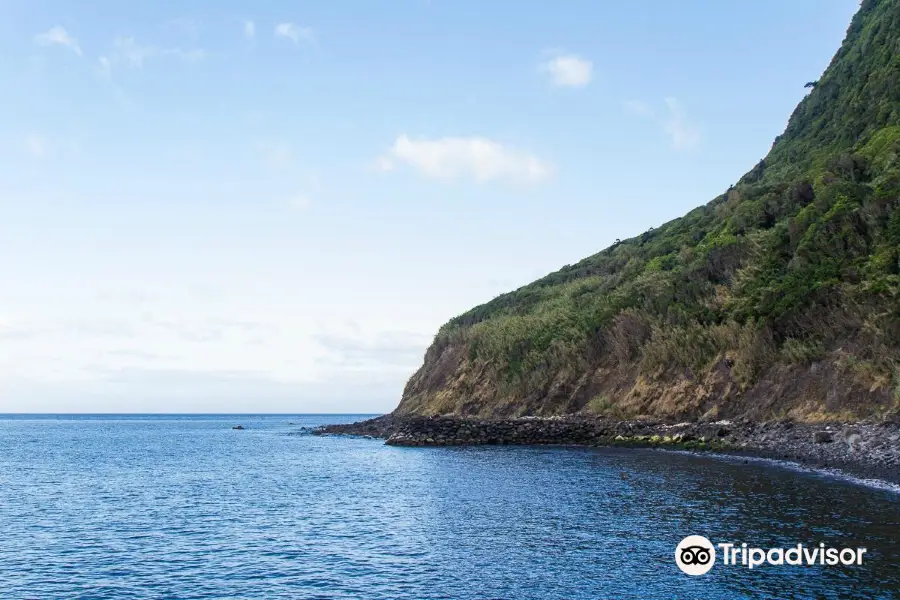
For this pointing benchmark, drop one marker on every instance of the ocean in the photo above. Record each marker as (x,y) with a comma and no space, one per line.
(174,506)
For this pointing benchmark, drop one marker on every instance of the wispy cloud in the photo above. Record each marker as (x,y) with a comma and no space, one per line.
(28,329)
(275,154)
(295,33)
(478,158)
(638,108)
(40,146)
(104,65)
(249,29)
(568,70)
(37,146)
(400,350)
(129,52)
(58,36)
(133,54)
(299,202)
(685,135)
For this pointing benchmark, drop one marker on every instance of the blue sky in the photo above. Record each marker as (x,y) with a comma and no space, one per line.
(236,206)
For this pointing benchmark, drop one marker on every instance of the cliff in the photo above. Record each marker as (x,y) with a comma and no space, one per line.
(779,298)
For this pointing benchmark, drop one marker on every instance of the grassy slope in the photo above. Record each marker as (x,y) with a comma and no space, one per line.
(778,297)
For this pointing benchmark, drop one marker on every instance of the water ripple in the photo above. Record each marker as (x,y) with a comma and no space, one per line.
(185,507)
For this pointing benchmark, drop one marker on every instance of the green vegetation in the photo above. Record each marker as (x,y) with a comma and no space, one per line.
(797,262)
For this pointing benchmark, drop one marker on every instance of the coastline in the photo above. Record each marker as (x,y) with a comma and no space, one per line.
(868,450)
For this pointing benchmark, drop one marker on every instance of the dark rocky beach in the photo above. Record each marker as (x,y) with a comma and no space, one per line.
(866,449)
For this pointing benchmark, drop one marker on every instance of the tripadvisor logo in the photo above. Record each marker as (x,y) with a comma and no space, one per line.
(696,555)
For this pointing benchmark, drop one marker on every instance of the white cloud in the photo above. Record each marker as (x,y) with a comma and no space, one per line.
(295,33)
(276,154)
(383,163)
(185,350)
(299,202)
(131,53)
(685,135)
(452,158)
(42,147)
(58,35)
(400,351)
(37,146)
(568,70)
(249,29)
(105,65)
(639,108)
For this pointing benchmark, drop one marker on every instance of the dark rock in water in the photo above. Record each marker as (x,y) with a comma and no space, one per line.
(379,427)
(238,427)
(871,450)
(822,437)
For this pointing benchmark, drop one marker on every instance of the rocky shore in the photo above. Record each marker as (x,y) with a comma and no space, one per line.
(869,450)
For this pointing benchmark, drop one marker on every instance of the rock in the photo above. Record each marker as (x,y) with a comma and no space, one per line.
(848,431)
(860,445)
(238,427)
(822,437)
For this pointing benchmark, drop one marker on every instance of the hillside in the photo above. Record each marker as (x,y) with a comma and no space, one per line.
(779,298)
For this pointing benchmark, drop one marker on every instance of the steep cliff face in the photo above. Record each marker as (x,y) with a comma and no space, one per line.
(781,297)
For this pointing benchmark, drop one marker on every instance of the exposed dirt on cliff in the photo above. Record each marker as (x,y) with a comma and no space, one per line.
(832,388)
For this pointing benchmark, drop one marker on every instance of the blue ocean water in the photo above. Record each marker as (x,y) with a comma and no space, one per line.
(186,507)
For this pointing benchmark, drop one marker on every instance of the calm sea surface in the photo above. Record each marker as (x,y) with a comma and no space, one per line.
(186,507)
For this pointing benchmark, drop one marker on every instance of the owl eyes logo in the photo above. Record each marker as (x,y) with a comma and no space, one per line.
(695,555)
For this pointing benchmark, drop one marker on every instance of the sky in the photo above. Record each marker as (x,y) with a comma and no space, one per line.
(234,206)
